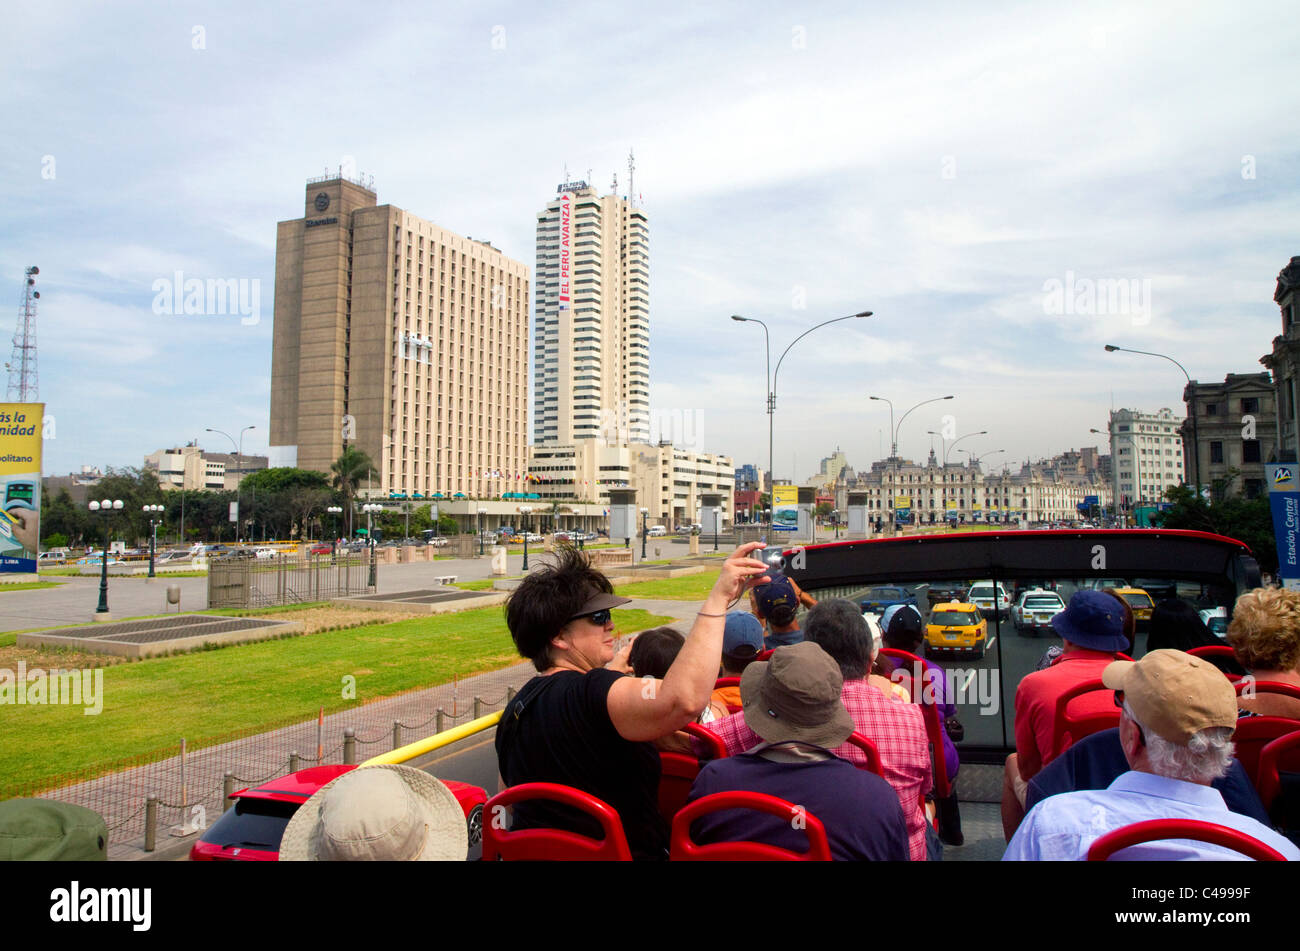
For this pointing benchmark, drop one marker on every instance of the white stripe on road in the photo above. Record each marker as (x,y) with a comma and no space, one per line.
(990,643)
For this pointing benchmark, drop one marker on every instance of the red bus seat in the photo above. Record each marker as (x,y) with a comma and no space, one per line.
(1155,829)
(1217,650)
(1068,728)
(678,770)
(552,845)
(1254,733)
(684,849)
(873,755)
(933,726)
(1285,749)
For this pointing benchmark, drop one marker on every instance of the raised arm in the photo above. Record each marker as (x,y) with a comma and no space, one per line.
(646,709)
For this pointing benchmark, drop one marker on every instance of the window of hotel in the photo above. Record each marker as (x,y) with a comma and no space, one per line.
(1216,452)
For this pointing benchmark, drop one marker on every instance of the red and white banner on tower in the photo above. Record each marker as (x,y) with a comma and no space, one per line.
(566,238)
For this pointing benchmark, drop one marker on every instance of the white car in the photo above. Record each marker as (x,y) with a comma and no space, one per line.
(1036,608)
(266,552)
(1216,619)
(655,531)
(981,595)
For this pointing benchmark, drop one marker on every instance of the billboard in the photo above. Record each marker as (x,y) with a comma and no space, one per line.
(1284,502)
(566,242)
(785,508)
(20,485)
(902,508)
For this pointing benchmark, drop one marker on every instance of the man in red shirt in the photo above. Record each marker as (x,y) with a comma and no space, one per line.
(1092,630)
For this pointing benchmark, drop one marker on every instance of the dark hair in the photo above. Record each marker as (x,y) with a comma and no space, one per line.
(547,600)
(654,651)
(782,615)
(905,631)
(1175,625)
(838,628)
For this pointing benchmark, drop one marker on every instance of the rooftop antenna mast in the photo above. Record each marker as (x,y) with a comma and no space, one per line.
(23,384)
(631,181)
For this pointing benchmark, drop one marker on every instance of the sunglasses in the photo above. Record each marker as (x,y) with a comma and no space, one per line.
(599,618)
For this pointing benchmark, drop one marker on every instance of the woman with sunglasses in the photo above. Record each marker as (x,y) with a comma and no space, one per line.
(580,723)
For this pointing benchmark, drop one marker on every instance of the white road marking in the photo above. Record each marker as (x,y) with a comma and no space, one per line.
(991,643)
(969,677)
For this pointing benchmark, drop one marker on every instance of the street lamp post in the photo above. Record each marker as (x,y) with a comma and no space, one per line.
(481,513)
(371,509)
(107,507)
(524,512)
(645,529)
(336,511)
(772,375)
(835,516)
(717,517)
(893,449)
(1196,439)
(154,521)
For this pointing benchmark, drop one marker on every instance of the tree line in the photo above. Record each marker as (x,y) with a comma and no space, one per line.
(281,503)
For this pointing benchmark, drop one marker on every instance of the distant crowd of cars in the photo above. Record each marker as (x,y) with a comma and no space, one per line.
(958,613)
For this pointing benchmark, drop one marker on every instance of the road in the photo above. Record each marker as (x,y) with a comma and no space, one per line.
(75,599)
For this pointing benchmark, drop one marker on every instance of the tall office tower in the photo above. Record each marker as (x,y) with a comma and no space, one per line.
(591,342)
(401,338)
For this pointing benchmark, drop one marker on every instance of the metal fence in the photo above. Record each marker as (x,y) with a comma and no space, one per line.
(152,799)
(286,579)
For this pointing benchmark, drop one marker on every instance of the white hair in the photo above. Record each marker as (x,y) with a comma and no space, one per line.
(1206,757)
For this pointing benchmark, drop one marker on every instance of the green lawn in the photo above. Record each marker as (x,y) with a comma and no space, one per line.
(29,585)
(686,588)
(207,695)
(483,584)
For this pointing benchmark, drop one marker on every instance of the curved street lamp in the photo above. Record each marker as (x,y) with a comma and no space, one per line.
(524,512)
(1196,439)
(893,448)
(771,381)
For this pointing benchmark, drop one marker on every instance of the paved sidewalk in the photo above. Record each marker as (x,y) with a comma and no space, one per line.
(192,794)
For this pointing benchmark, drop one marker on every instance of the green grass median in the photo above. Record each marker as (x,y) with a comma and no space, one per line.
(208,695)
(685,588)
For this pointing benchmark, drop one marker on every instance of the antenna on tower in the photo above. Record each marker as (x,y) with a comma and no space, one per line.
(614,187)
(631,186)
(23,383)
(566,173)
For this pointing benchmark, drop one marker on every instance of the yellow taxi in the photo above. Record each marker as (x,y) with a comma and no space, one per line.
(1141,604)
(956,626)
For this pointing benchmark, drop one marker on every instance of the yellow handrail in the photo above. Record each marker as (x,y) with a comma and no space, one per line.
(437,741)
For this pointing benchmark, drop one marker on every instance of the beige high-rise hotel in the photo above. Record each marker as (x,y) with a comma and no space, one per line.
(405,339)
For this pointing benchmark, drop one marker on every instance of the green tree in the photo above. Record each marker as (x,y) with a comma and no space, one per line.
(349,469)
(1247,520)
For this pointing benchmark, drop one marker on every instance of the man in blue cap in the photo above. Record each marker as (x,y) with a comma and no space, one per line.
(1092,631)
(776,604)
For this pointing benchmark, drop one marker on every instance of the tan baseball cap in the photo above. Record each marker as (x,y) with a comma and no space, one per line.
(1173,694)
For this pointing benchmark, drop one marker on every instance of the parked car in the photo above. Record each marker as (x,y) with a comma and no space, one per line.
(251,830)
(438,541)
(1035,610)
(51,558)
(956,626)
(321,548)
(656,531)
(265,552)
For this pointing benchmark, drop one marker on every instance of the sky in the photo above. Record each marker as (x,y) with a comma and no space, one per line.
(965,172)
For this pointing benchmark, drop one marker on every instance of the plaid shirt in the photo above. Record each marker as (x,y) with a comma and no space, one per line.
(898,731)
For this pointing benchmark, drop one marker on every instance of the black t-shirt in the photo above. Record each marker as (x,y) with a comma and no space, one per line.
(558,730)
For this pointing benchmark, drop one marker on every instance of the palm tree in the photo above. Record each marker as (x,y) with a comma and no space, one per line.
(349,469)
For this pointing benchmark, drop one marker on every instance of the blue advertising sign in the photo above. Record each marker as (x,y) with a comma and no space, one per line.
(1284,502)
